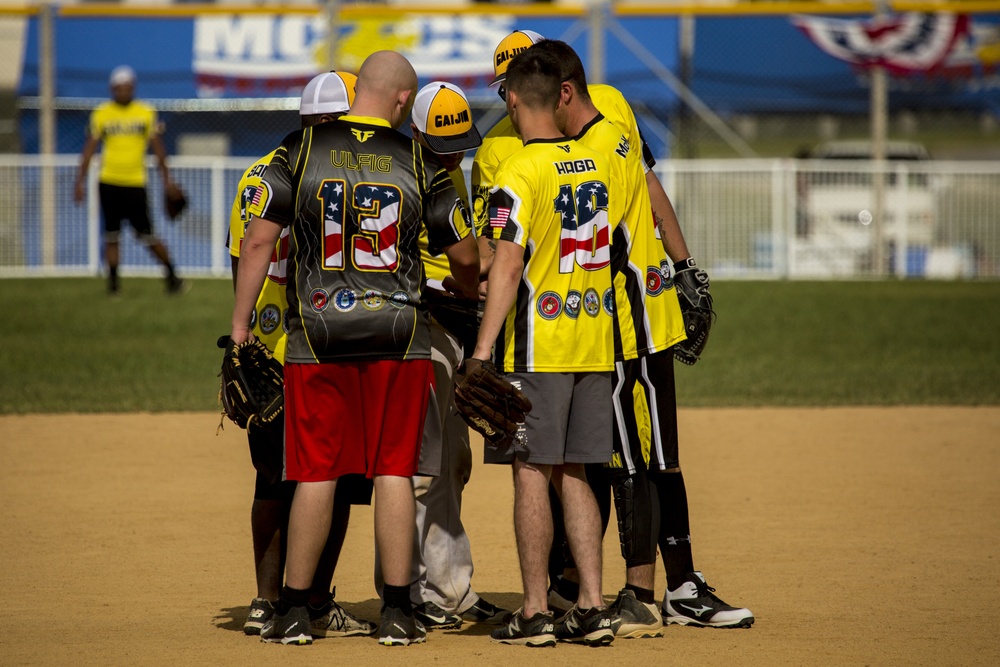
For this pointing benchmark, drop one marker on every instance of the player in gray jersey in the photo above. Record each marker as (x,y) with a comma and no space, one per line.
(355,194)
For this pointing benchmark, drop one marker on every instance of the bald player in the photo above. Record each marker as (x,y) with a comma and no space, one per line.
(326,97)
(358,375)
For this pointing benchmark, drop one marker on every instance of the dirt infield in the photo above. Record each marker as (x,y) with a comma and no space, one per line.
(857,536)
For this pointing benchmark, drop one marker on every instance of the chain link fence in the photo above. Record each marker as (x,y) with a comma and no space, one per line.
(743,219)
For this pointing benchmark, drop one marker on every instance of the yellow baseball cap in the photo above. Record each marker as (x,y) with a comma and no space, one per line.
(442,114)
(329,92)
(510,46)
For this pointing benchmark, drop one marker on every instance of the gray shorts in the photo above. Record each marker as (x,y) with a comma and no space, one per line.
(570,421)
(446,355)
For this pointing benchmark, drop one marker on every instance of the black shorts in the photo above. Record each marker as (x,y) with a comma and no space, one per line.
(267,455)
(120,203)
(645,406)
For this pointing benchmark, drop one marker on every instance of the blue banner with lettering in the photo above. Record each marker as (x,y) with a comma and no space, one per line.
(740,64)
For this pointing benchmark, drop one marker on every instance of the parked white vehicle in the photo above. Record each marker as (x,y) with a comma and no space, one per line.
(836,229)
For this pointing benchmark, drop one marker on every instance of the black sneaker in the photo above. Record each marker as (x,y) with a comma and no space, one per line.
(594,628)
(261,611)
(397,628)
(292,628)
(559,602)
(636,620)
(539,630)
(332,620)
(694,603)
(114,288)
(434,617)
(177,286)
(484,612)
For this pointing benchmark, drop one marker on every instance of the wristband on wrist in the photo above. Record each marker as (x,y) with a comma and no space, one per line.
(684,264)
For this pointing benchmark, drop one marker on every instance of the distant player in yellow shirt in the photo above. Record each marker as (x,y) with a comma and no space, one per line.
(126,127)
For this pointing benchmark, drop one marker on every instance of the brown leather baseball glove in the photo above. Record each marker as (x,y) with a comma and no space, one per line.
(489,403)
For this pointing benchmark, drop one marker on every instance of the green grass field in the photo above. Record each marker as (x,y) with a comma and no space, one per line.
(71,349)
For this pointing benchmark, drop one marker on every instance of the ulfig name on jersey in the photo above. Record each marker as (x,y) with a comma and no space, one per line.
(575,166)
(447,119)
(359,161)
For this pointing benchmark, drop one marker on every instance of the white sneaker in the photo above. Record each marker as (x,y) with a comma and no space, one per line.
(694,603)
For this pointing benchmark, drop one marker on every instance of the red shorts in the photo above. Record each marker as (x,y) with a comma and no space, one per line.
(362,417)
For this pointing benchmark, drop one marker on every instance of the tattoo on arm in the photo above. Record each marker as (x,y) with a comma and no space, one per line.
(493,245)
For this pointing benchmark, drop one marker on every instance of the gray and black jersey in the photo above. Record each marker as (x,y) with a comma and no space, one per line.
(356,195)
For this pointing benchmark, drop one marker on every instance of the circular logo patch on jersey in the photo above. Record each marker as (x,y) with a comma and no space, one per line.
(399,299)
(319,299)
(372,300)
(654,281)
(609,301)
(573,301)
(285,325)
(591,302)
(345,300)
(548,305)
(270,318)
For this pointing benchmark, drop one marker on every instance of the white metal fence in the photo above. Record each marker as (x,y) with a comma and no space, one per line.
(742,219)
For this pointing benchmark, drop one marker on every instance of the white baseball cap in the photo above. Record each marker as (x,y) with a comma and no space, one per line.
(122,75)
(442,114)
(329,92)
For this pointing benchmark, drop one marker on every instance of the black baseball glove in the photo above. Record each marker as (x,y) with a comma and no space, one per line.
(174,201)
(696,307)
(252,391)
(489,403)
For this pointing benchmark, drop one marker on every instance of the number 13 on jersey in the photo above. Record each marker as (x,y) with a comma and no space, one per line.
(374,247)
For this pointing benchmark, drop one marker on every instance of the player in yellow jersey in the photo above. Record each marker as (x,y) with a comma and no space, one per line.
(549,315)
(442,559)
(325,98)
(646,451)
(126,127)
(684,583)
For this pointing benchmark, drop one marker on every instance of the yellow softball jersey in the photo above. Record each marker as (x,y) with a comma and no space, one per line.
(270,316)
(648,316)
(437,267)
(125,131)
(556,199)
(502,141)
